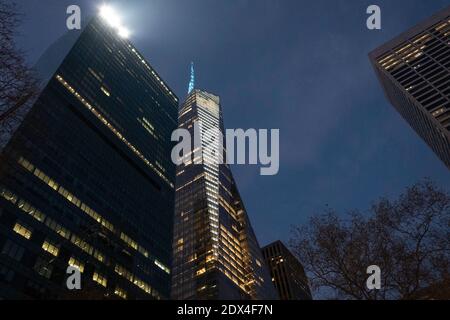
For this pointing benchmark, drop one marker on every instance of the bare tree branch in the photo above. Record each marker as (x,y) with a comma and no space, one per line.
(18,82)
(408,238)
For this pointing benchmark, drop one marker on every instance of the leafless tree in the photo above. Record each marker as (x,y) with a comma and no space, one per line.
(408,238)
(18,84)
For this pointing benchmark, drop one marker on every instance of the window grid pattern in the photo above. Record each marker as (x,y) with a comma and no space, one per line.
(416,77)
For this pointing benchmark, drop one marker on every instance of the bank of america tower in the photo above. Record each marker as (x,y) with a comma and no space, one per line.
(216,253)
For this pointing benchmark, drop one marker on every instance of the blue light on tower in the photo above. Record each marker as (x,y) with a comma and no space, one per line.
(192,81)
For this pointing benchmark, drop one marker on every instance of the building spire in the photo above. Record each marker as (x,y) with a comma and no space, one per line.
(192,81)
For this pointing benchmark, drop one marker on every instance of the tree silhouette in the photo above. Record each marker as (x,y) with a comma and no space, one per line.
(408,238)
(18,84)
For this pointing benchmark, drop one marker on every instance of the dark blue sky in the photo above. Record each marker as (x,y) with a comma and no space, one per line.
(300,66)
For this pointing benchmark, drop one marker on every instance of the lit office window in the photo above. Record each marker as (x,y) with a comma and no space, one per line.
(98,255)
(59,229)
(162,266)
(26,164)
(50,248)
(133,244)
(120,292)
(106,92)
(8,195)
(22,230)
(27,208)
(99,279)
(76,263)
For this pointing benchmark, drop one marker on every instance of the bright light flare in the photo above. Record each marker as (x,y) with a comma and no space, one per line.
(112,18)
(123,32)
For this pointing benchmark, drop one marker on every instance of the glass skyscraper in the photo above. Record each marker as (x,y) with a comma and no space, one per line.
(216,253)
(87,179)
(414,69)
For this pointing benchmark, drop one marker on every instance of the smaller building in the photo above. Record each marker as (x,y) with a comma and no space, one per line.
(287,272)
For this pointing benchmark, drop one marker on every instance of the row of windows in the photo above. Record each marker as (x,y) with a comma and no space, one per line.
(50,248)
(44,268)
(159,80)
(100,279)
(113,129)
(53,249)
(135,280)
(412,50)
(85,208)
(76,263)
(425,75)
(65,193)
(22,230)
(26,232)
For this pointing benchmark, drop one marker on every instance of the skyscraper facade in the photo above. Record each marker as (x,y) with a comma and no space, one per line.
(87,179)
(287,272)
(216,253)
(414,69)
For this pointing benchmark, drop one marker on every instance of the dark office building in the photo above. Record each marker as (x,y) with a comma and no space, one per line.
(287,272)
(87,179)
(216,253)
(414,69)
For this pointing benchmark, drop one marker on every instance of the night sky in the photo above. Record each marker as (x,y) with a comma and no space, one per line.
(300,66)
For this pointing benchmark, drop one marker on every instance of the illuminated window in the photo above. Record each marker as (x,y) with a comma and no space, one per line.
(23,231)
(59,229)
(129,241)
(143,285)
(83,245)
(120,292)
(26,164)
(43,177)
(106,92)
(50,248)
(135,280)
(148,123)
(123,272)
(99,256)
(201,271)
(438,112)
(8,195)
(143,251)
(95,74)
(162,266)
(69,196)
(107,225)
(99,279)
(97,217)
(76,263)
(27,208)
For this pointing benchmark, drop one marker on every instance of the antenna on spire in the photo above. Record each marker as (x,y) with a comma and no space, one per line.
(192,81)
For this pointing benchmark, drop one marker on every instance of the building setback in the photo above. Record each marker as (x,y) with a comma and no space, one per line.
(414,70)
(87,179)
(216,253)
(287,272)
